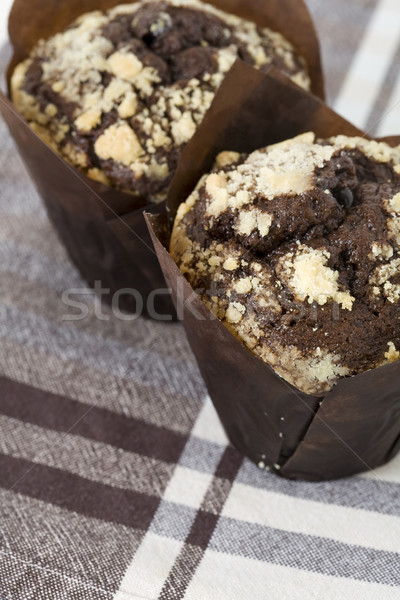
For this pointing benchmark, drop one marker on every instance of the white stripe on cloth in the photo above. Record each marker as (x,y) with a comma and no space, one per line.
(367,72)
(150,567)
(221,577)
(340,523)
(153,561)
(5,7)
(208,426)
(390,121)
(187,487)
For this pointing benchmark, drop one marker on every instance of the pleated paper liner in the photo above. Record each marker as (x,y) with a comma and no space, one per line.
(103,229)
(354,427)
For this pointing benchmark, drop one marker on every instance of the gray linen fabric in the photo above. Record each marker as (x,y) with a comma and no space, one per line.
(116,479)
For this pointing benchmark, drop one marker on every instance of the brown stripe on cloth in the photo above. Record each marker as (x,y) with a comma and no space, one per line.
(92,460)
(203,527)
(47,551)
(74,380)
(21,578)
(77,494)
(62,414)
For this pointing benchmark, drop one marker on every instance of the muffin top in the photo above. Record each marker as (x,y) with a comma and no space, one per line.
(119,94)
(296,249)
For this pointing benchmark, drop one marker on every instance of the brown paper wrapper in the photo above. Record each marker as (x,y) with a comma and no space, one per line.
(353,428)
(102,229)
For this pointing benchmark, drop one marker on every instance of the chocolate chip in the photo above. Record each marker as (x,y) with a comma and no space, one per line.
(192,63)
(346,198)
(118,30)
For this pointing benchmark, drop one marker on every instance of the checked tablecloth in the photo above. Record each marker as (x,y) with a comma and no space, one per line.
(116,480)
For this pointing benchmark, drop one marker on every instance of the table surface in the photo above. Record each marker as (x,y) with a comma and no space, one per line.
(116,479)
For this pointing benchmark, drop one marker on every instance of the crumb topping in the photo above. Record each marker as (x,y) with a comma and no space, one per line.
(392,354)
(119,143)
(296,249)
(306,273)
(285,168)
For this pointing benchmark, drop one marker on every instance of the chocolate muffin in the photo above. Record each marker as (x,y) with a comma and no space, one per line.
(296,249)
(119,94)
